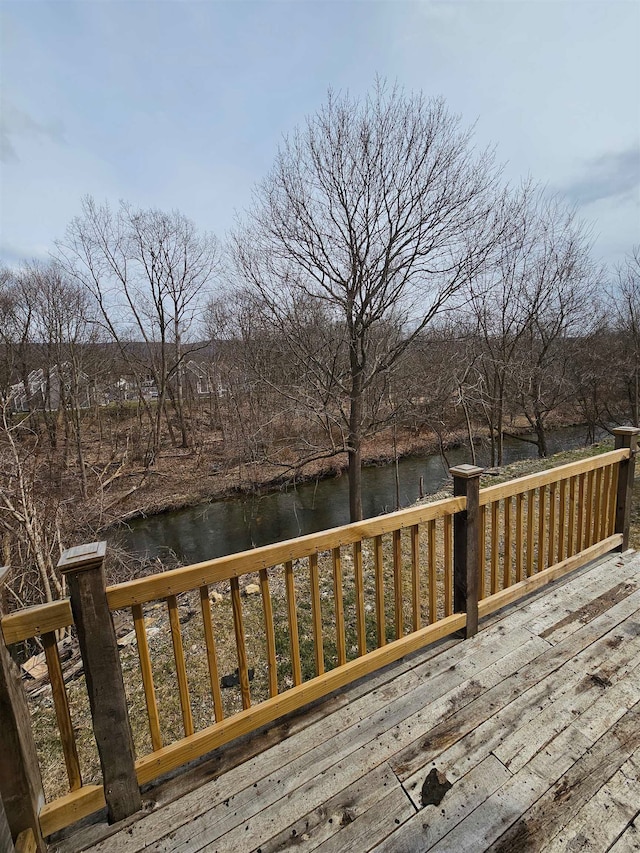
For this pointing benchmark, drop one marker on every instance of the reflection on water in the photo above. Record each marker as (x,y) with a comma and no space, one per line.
(224,527)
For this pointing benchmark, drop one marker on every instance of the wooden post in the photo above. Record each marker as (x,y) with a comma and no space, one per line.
(625,437)
(466,556)
(20,781)
(97,639)
(6,842)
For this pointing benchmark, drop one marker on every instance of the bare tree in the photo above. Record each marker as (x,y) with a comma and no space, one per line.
(626,305)
(148,272)
(539,273)
(374,215)
(64,325)
(560,286)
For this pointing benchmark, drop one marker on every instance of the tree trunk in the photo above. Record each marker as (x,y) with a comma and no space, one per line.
(355,441)
(541,436)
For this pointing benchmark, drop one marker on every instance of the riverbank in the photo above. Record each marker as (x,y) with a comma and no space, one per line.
(187,478)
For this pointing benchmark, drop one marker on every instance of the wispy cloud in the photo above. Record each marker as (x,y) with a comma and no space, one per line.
(612,175)
(16,123)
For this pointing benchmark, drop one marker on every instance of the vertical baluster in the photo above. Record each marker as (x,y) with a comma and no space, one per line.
(530,521)
(292,616)
(316,614)
(519,537)
(337,594)
(361,628)
(241,647)
(379,577)
(433,579)
(147,676)
(181,670)
(611,526)
(61,705)
(604,507)
(495,546)
(267,612)
(415,578)
(589,511)
(542,527)
(482,551)
(598,506)
(552,524)
(562,521)
(397,584)
(507,542)
(571,533)
(448,565)
(580,534)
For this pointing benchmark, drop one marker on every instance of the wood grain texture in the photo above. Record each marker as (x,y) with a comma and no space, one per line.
(508,556)
(531,511)
(580,533)
(63,715)
(519,538)
(70,808)
(316,615)
(361,630)
(589,522)
(447,533)
(181,669)
(36,621)
(542,529)
(147,676)
(416,598)
(379,584)
(482,551)
(597,512)
(20,781)
(433,578)
(105,687)
(241,646)
(212,653)
(397,584)
(339,606)
(553,542)
(495,549)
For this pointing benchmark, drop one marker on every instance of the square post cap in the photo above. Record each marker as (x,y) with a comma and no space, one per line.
(82,557)
(626,430)
(466,472)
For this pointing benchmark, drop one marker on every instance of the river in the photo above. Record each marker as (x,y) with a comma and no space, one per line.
(237,524)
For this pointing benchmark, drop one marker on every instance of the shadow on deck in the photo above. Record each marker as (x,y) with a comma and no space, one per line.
(524,738)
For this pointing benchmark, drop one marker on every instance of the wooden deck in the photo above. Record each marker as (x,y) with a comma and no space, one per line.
(524,738)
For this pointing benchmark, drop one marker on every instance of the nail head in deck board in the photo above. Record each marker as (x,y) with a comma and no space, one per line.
(20,781)
(103,676)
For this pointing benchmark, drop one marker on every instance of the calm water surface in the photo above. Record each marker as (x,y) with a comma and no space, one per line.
(225,527)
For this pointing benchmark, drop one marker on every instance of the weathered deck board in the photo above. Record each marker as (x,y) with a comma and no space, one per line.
(534,724)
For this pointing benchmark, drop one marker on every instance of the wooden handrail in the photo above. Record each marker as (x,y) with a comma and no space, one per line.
(552,475)
(37,620)
(464,527)
(187,578)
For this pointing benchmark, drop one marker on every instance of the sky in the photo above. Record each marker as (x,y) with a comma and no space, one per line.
(181,105)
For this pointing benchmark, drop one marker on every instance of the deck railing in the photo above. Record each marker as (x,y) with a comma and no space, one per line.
(333,606)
